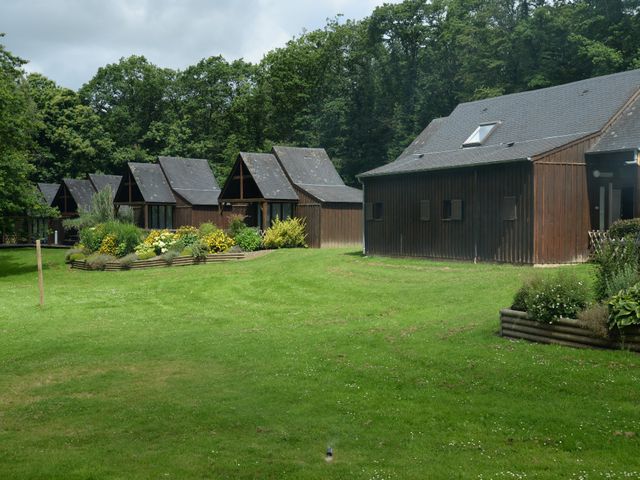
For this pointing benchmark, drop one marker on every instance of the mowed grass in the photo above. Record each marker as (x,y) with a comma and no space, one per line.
(252,369)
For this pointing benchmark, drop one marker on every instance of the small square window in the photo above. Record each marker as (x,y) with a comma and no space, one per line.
(509,208)
(452,209)
(425,210)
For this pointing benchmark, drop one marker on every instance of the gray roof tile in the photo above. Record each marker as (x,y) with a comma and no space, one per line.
(152,183)
(49,191)
(534,122)
(334,193)
(81,190)
(100,181)
(269,176)
(623,134)
(192,179)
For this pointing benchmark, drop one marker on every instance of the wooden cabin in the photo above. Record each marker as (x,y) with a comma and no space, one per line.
(74,195)
(300,182)
(171,193)
(520,178)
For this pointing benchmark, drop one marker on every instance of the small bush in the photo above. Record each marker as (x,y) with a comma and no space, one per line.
(614,262)
(547,299)
(160,241)
(170,256)
(186,252)
(77,256)
(108,245)
(217,242)
(596,319)
(625,228)
(236,224)
(98,261)
(624,308)
(187,235)
(248,239)
(626,276)
(288,233)
(71,252)
(199,251)
(128,260)
(145,254)
(207,229)
(91,237)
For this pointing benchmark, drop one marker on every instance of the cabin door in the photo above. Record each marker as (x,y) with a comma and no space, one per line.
(613,204)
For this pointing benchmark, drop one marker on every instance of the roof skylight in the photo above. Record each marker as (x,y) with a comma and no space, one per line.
(480,134)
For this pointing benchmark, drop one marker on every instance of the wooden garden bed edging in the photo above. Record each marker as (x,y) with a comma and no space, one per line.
(159,262)
(565,331)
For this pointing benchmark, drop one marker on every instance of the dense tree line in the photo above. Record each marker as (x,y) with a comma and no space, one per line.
(361,89)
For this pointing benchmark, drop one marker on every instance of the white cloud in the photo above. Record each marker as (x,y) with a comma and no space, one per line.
(68,40)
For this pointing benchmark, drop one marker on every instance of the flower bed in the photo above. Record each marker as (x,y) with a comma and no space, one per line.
(160,262)
(564,331)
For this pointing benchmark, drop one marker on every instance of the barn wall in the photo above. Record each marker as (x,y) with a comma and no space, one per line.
(309,209)
(341,225)
(481,233)
(561,205)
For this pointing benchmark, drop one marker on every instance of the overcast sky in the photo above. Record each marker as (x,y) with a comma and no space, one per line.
(67,40)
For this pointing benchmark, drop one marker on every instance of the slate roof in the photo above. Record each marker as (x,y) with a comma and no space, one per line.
(81,190)
(269,176)
(531,123)
(49,191)
(192,179)
(100,181)
(152,183)
(311,170)
(623,134)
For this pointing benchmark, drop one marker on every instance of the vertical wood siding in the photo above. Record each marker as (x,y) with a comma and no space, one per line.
(561,205)
(481,234)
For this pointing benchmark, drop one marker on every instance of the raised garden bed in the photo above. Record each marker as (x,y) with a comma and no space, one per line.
(159,262)
(566,331)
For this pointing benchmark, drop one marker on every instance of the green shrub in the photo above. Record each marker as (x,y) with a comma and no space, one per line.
(109,245)
(288,233)
(248,239)
(624,308)
(596,319)
(199,251)
(71,252)
(146,254)
(615,263)
(548,298)
(236,224)
(170,256)
(98,261)
(186,252)
(77,256)
(91,237)
(626,276)
(207,229)
(625,228)
(113,238)
(128,260)
(187,235)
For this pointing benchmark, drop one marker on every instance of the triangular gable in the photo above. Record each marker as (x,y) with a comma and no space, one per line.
(144,183)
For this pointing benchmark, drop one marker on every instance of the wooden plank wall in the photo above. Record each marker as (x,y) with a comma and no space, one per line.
(481,234)
(341,225)
(561,205)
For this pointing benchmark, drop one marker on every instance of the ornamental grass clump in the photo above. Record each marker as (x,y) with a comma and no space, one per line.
(550,298)
(288,233)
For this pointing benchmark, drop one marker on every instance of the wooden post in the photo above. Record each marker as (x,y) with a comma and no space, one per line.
(40,280)
(265,219)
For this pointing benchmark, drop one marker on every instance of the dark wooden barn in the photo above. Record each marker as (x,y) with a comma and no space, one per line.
(172,193)
(520,178)
(301,182)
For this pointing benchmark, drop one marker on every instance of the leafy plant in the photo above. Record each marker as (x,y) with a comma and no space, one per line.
(548,298)
(288,233)
(71,252)
(159,240)
(236,224)
(187,235)
(596,319)
(625,229)
(217,242)
(248,239)
(199,251)
(207,229)
(624,308)
(145,253)
(616,263)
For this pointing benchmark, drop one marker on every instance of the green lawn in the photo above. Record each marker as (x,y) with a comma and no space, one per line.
(251,369)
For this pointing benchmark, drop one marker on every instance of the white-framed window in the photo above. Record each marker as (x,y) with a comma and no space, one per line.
(480,134)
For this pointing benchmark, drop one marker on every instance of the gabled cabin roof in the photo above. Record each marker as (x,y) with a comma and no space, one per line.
(527,124)
(152,183)
(100,181)
(623,134)
(81,191)
(311,170)
(269,176)
(49,192)
(192,179)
